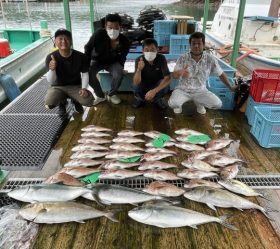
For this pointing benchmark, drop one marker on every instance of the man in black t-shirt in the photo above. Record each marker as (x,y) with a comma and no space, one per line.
(152,77)
(107,49)
(68,75)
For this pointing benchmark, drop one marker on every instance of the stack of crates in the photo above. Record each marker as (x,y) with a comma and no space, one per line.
(179,44)
(162,31)
(215,85)
(263,107)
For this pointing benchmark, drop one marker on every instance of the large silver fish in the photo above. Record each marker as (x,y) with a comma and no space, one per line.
(89,146)
(78,172)
(119,174)
(61,212)
(195,174)
(193,183)
(165,216)
(47,192)
(160,150)
(95,134)
(95,128)
(129,133)
(155,156)
(161,175)
(217,144)
(114,194)
(239,187)
(200,165)
(221,160)
(156,165)
(128,140)
(96,140)
(83,162)
(163,189)
(88,154)
(221,198)
(115,164)
(189,146)
(115,154)
(125,147)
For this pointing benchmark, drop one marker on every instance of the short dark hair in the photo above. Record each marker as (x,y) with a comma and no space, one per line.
(149,41)
(63,32)
(113,18)
(197,35)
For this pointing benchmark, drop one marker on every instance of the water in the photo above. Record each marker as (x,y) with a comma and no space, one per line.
(16,14)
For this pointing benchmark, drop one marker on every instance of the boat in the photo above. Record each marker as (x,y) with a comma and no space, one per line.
(260,35)
(24,53)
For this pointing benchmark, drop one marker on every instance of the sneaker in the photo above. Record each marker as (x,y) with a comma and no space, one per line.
(114,99)
(201,109)
(161,103)
(138,103)
(98,100)
(61,110)
(78,107)
(177,110)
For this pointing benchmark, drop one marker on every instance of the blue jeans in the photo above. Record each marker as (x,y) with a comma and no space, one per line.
(141,90)
(115,69)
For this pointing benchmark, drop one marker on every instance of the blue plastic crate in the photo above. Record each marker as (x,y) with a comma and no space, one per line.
(251,111)
(228,69)
(179,44)
(224,93)
(266,126)
(165,27)
(162,39)
(106,79)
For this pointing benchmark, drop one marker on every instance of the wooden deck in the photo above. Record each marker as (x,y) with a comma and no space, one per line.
(255,230)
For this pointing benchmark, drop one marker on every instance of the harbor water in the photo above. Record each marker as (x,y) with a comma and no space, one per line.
(20,15)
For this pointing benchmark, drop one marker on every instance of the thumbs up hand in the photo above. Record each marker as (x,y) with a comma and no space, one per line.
(52,64)
(141,64)
(184,73)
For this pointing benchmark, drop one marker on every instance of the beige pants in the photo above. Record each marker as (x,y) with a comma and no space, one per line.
(58,94)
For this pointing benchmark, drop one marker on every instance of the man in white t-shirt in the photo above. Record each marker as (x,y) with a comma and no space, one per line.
(193,69)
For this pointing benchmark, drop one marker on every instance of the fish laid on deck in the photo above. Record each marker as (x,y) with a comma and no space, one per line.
(94,134)
(160,150)
(78,172)
(222,160)
(230,172)
(155,156)
(125,147)
(119,174)
(189,146)
(195,174)
(64,178)
(193,183)
(83,162)
(96,140)
(89,146)
(163,189)
(96,128)
(217,144)
(188,132)
(115,164)
(129,140)
(200,165)
(88,154)
(164,216)
(115,154)
(161,175)
(221,198)
(61,212)
(156,165)
(155,134)
(129,133)
(47,192)
(166,144)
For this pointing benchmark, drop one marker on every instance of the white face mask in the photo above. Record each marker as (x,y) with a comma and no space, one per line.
(113,33)
(150,56)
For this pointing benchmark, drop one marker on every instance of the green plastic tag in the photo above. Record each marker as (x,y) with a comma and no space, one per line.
(3,175)
(159,142)
(130,159)
(91,178)
(194,139)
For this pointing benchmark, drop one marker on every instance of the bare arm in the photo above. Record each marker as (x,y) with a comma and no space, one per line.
(164,83)
(224,78)
(137,75)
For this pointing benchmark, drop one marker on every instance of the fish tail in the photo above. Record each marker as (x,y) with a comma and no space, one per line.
(226,224)
(111,215)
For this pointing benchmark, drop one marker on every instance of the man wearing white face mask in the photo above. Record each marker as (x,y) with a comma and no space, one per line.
(151,77)
(107,49)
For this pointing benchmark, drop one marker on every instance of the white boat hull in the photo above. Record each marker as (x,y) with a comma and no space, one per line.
(26,63)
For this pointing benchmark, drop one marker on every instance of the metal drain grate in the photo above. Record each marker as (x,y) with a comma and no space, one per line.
(13,183)
(25,140)
(32,100)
